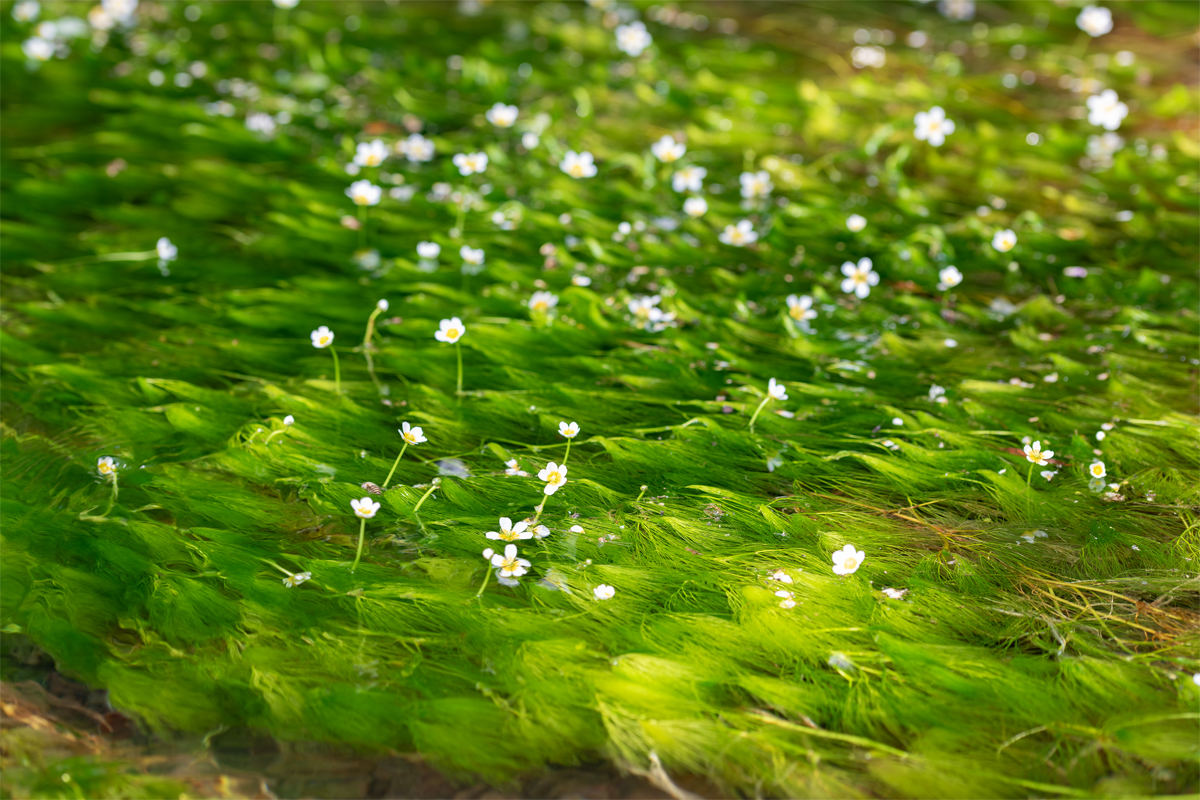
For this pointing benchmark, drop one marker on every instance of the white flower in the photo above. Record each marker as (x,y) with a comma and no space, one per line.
(100,19)
(502,116)
(578,165)
(529,140)
(470,163)
(364,193)
(370,154)
(166,250)
(689,179)
(470,255)
(1095,20)
(949,278)
(514,468)
(1106,110)
(416,148)
(788,600)
(800,308)
(856,222)
(541,531)
(1004,240)
(961,10)
(1048,474)
(509,565)
(38,49)
(781,576)
(932,126)
(285,3)
(633,38)
(289,420)
(428,250)
(1096,470)
(297,579)
(847,560)
(554,476)
(543,301)
(895,594)
(364,508)
(868,56)
(450,330)
(568,430)
(412,434)
(26,11)
(1035,455)
(123,11)
(576,529)
(1033,536)
(105,466)
(1102,147)
(509,532)
(382,305)
(604,592)
(756,184)
(739,235)
(322,337)
(695,206)
(667,150)
(776,390)
(260,122)
(859,278)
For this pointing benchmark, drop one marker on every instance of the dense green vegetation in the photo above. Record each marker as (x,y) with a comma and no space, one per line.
(1039,636)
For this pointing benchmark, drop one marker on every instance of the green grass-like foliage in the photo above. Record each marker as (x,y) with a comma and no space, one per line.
(1060,666)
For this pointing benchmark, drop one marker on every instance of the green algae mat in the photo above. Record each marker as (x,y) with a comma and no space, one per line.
(797,398)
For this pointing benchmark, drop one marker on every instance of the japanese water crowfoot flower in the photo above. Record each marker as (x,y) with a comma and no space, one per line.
(370,154)
(756,184)
(297,579)
(633,38)
(106,467)
(775,391)
(695,206)
(847,560)
(1036,455)
(859,278)
(364,193)
(451,331)
(502,116)
(473,258)
(800,309)
(578,165)
(364,509)
(543,302)
(739,235)
(26,10)
(416,148)
(36,48)
(1097,470)
(411,435)
(570,432)
(1095,20)
(788,600)
(555,477)
(667,149)
(322,337)
(509,564)
(932,126)
(1004,240)
(689,179)
(509,532)
(604,592)
(470,163)
(949,277)
(855,223)
(1106,110)
(167,253)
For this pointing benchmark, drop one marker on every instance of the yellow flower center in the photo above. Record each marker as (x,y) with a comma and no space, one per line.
(509,564)
(849,563)
(540,305)
(452,333)
(554,477)
(576,170)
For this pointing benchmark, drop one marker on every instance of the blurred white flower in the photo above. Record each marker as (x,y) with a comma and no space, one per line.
(285,3)
(297,579)
(776,390)
(695,206)
(800,308)
(1097,470)
(260,122)
(123,11)
(364,193)
(1004,240)
(739,235)
(100,19)
(578,165)
(541,531)
(847,560)
(868,56)
(382,305)
(604,592)
(416,148)
(370,154)
(289,420)
(1106,110)
(932,126)
(568,430)
(856,222)
(633,38)
(543,301)
(38,49)
(895,594)
(470,163)
(471,255)
(365,508)
(581,280)
(788,600)
(513,467)
(106,466)
(960,10)
(781,576)
(688,179)
(667,150)
(428,250)
(26,10)
(859,277)
(450,330)
(949,277)
(166,250)
(756,184)
(1035,455)
(322,337)
(529,140)
(1095,20)
(509,532)
(554,476)
(502,116)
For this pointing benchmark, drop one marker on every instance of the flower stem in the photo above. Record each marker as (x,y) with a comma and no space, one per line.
(362,227)
(428,492)
(273,434)
(538,514)
(362,530)
(393,472)
(568,453)
(367,345)
(758,411)
(337,372)
(487,574)
(458,350)
(1029,475)
(112,501)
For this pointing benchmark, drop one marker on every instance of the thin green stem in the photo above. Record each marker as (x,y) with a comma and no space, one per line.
(568,453)
(362,227)
(1029,475)
(458,350)
(142,255)
(362,531)
(425,496)
(642,493)
(112,501)
(758,411)
(273,434)
(487,574)
(337,372)
(393,472)
(537,515)
(367,344)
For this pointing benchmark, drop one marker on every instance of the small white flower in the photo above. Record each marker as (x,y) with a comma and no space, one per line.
(949,278)
(1097,470)
(416,148)
(578,165)
(1048,474)
(1094,20)
(412,434)
(26,11)
(576,529)
(289,420)
(895,594)
(502,116)
(739,235)
(847,560)
(695,206)
(509,565)
(788,600)
(470,255)
(1106,110)
(365,507)
(428,250)
(1004,240)
(529,140)
(604,592)
(667,150)
(800,308)
(543,301)
(689,179)
(960,10)
(106,466)
(1100,436)
(297,579)
(570,431)
(1035,455)
(509,532)
(470,163)
(868,56)
(123,11)
(370,154)
(322,337)
(950,342)
(633,38)
(776,390)
(38,49)
(856,222)
(285,3)
(932,126)
(166,250)
(781,576)
(364,193)
(541,531)
(554,476)
(450,330)
(859,278)
(514,468)
(756,184)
